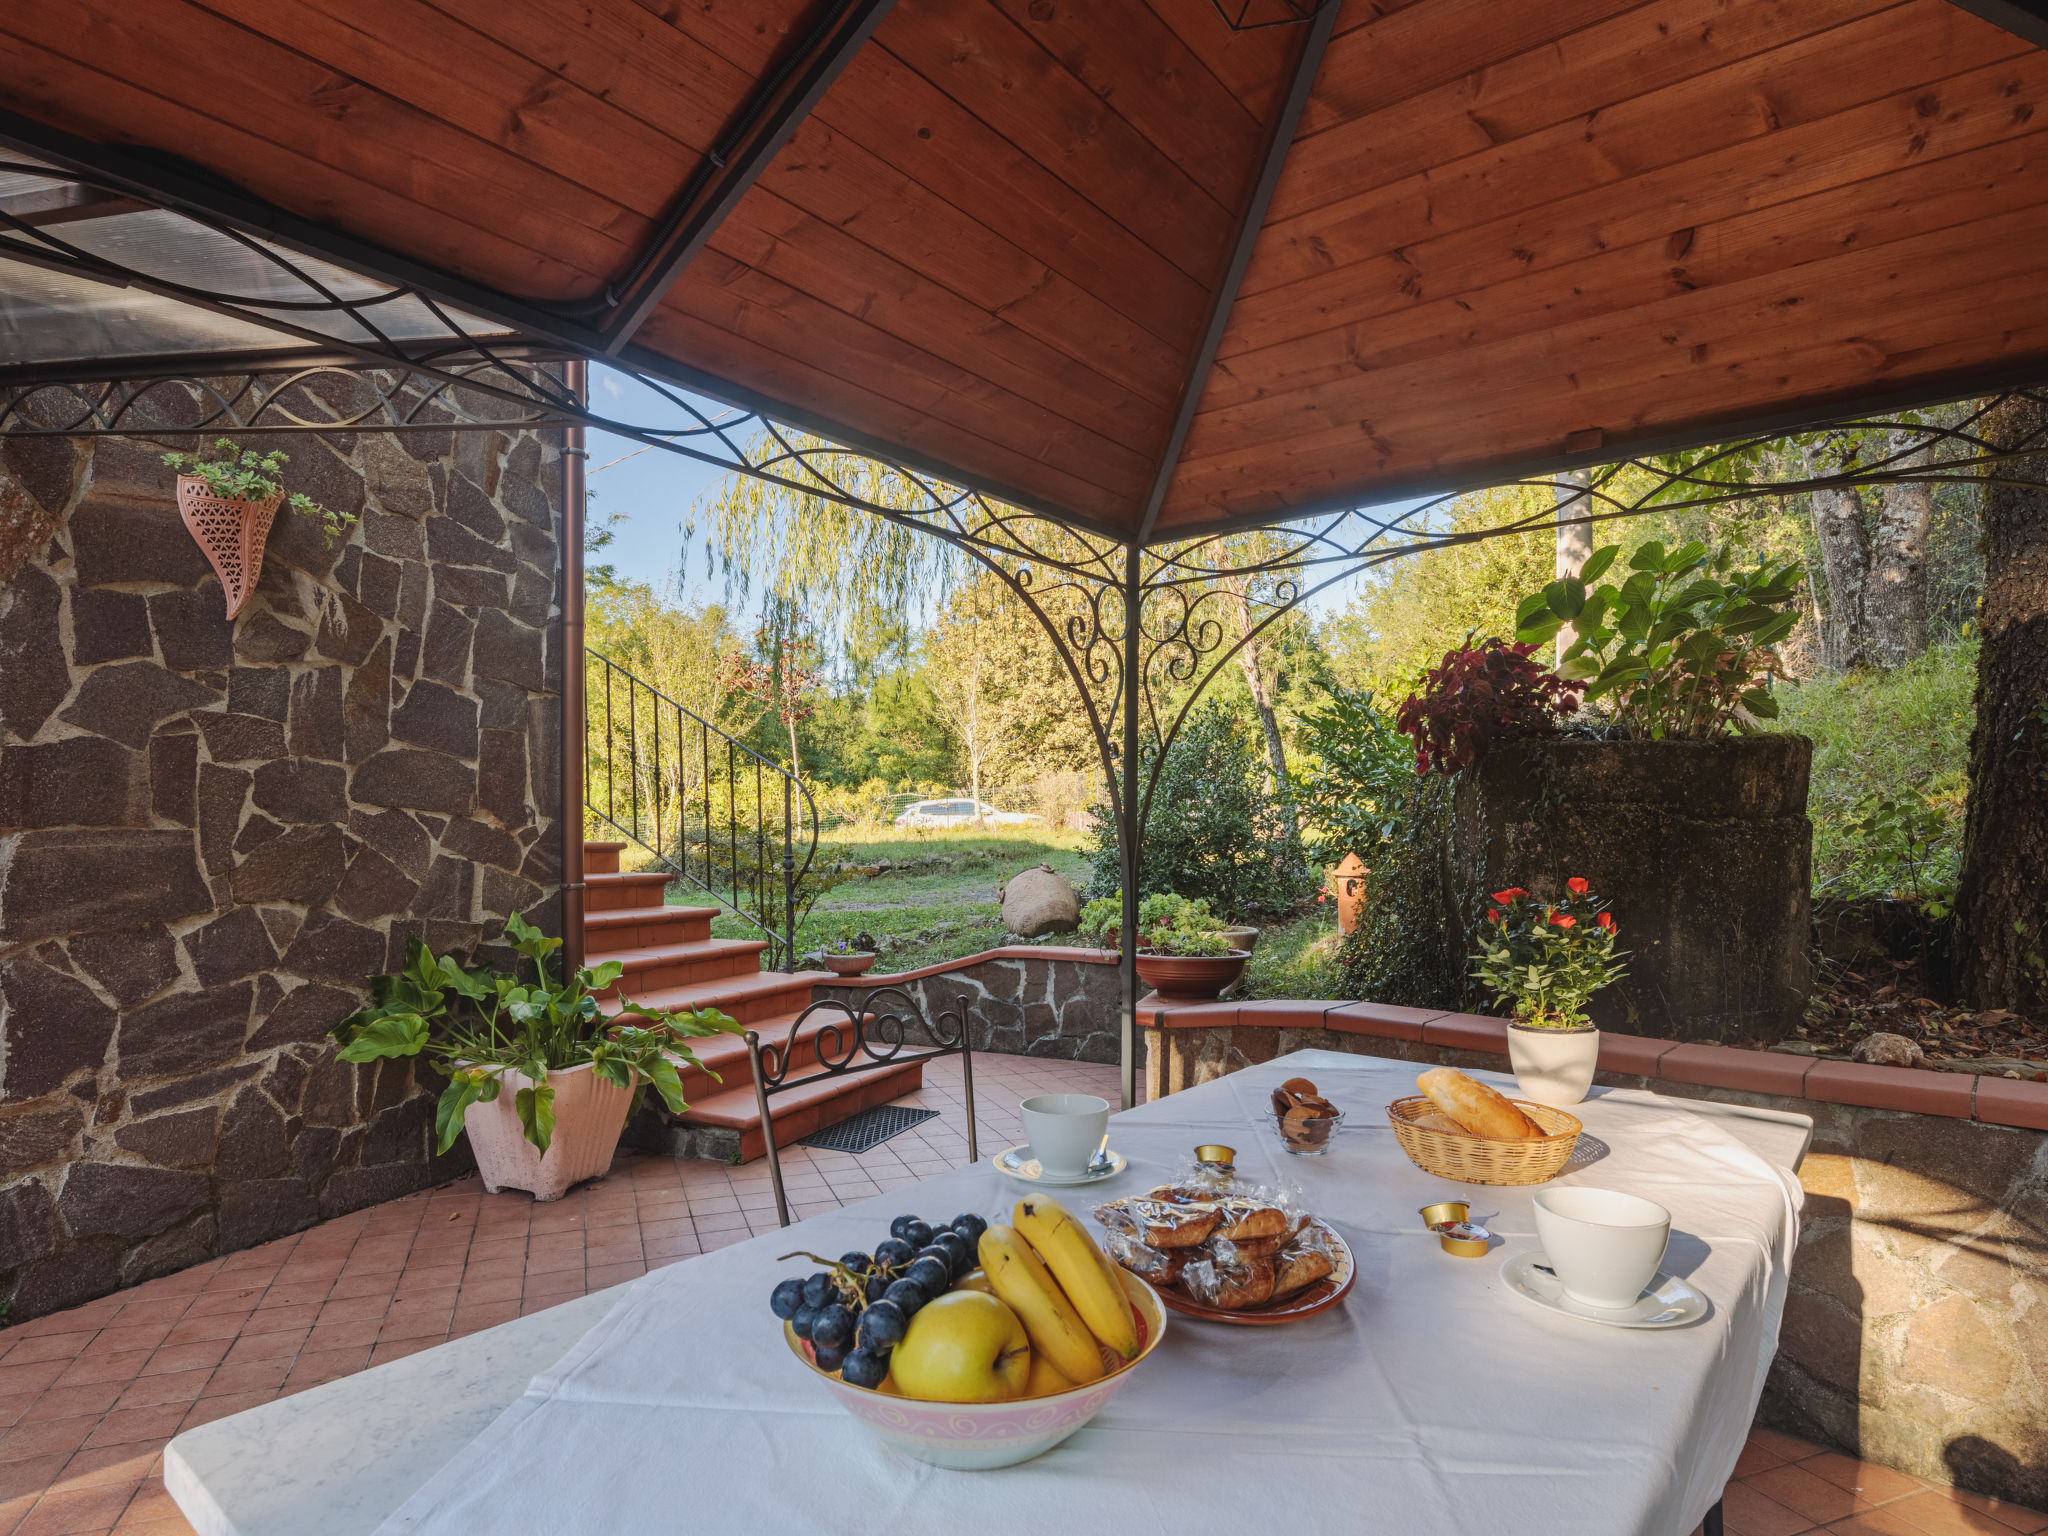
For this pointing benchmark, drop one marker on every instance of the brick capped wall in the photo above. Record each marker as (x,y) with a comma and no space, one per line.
(211,832)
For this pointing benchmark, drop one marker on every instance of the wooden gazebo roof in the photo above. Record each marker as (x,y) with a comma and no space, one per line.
(1125,262)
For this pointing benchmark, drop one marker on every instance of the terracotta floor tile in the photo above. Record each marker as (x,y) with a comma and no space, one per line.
(124,1366)
(64,1402)
(269,1319)
(1786,1447)
(170,1387)
(128,1464)
(125,1426)
(1815,1497)
(266,1346)
(47,1437)
(48,1346)
(1884,1521)
(1748,1512)
(74,1511)
(207,1409)
(1955,1512)
(32,1377)
(317,1365)
(1865,1479)
(119,1339)
(30,1477)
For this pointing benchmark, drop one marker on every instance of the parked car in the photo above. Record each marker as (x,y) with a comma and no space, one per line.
(959,813)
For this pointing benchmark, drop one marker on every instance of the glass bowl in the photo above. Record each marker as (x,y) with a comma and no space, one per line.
(1315,1137)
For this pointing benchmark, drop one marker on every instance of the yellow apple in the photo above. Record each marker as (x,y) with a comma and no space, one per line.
(976,1280)
(1045,1380)
(963,1347)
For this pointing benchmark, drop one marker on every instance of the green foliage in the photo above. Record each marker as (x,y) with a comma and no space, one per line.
(1352,773)
(243,474)
(479,1024)
(1901,738)
(1406,949)
(1215,830)
(1167,925)
(1547,958)
(1297,959)
(1679,646)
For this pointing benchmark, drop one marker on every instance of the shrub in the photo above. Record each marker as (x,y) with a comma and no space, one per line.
(1167,925)
(1408,948)
(1354,770)
(1478,696)
(1215,830)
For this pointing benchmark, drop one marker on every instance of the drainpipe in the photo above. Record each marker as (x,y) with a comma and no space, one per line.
(574,458)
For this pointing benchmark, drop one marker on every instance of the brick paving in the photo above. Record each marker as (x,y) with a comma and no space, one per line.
(89,1397)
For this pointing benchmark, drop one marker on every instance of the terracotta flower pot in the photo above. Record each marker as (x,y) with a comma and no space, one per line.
(1191,978)
(590,1112)
(1554,1066)
(231,533)
(847,965)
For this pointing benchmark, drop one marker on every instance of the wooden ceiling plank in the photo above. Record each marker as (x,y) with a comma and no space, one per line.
(748,34)
(830,176)
(1645,49)
(984,63)
(1252,66)
(797,380)
(123,111)
(751,303)
(1924,199)
(358,131)
(805,253)
(907,123)
(1149,77)
(1422,48)
(403,48)
(1973,110)
(1721,344)
(1748,102)
(619,53)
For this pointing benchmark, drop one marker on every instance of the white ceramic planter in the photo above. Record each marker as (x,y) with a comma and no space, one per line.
(1554,1066)
(589,1115)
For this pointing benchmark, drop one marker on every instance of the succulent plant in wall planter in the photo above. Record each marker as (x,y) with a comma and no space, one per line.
(228,496)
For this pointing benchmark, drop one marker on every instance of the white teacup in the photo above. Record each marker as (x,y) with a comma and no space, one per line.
(1065,1131)
(1604,1245)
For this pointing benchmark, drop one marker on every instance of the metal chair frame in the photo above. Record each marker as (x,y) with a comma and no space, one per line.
(870,1039)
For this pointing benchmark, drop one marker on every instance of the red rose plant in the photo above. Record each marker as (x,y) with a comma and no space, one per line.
(1546,959)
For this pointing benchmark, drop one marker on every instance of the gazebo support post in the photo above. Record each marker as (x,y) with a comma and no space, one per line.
(1129,824)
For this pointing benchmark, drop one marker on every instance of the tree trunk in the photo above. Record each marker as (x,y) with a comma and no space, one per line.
(1845,556)
(2002,899)
(1574,540)
(1895,592)
(1249,658)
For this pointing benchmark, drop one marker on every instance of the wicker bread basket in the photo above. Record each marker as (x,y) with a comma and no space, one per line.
(1479,1159)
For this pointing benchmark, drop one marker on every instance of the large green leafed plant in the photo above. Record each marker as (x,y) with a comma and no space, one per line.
(479,1023)
(1681,647)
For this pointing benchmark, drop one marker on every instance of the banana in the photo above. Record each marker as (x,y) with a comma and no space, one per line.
(1019,1280)
(1045,1381)
(1083,1270)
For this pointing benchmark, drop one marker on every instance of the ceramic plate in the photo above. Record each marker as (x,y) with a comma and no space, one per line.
(1320,1297)
(1668,1303)
(1018,1163)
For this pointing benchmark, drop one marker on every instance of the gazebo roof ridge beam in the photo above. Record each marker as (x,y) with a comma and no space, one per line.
(1224,299)
(761,126)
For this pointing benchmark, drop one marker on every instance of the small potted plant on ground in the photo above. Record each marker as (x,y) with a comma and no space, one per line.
(843,957)
(1183,953)
(575,1074)
(227,497)
(1547,959)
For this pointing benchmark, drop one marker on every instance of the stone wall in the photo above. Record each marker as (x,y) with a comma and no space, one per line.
(211,832)
(1028,1000)
(1916,1326)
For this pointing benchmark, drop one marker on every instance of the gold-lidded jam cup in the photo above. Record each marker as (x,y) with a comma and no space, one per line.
(1459,1235)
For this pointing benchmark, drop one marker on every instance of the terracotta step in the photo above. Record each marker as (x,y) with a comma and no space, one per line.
(809,1105)
(636,927)
(749,999)
(727,1054)
(611,893)
(655,967)
(601,858)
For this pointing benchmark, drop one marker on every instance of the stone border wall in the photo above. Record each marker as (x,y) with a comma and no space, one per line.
(1036,1000)
(212,832)
(1916,1326)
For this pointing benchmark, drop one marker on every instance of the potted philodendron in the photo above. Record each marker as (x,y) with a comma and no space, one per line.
(1546,959)
(575,1074)
(1183,953)
(227,497)
(843,957)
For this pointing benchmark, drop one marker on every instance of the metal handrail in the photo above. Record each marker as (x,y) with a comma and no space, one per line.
(699,800)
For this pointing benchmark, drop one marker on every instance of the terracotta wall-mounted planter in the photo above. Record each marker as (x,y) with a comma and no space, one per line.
(231,533)
(590,1112)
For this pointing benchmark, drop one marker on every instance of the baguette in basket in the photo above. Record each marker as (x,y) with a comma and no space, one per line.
(1475,1108)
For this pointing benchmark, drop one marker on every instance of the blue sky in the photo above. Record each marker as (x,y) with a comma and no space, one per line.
(650,494)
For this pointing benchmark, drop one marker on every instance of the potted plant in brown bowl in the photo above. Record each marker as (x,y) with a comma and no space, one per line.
(845,957)
(1183,953)
(228,496)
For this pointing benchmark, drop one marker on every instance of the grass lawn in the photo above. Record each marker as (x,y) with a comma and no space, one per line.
(1295,959)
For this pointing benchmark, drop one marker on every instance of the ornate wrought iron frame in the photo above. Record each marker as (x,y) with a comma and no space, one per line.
(1134,621)
(869,1040)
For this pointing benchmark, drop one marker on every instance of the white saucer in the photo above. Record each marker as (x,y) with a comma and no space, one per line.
(1018,1163)
(1668,1303)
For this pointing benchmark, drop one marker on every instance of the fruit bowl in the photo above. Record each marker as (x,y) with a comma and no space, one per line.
(975,1437)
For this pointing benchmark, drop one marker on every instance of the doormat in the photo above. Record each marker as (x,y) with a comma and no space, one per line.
(870,1128)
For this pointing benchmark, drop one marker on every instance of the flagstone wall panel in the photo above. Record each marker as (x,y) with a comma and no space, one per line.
(212,832)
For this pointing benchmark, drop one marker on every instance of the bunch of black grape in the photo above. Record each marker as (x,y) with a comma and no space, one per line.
(858,1310)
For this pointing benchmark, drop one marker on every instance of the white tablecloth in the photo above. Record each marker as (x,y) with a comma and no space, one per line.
(1433,1400)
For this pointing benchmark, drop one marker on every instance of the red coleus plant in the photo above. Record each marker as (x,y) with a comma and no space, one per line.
(1479,696)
